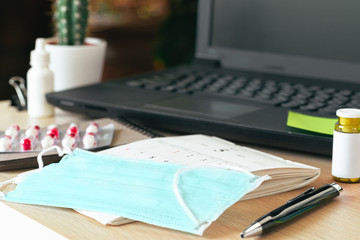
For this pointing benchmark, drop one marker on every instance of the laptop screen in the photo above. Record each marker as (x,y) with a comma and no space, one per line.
(315,28)
(314,38)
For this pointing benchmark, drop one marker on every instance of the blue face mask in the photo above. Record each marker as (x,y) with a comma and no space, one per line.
(186,198)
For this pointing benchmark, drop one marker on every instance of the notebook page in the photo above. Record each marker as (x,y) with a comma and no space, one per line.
(105,218)
(201,149)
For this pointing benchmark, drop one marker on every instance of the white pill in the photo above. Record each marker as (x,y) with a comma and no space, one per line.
(92,128)
(47,141)
(33,132)
(12,131)
(68,142)
(89,140)
(5,143)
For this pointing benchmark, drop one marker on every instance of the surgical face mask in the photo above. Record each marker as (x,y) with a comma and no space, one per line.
(186,198)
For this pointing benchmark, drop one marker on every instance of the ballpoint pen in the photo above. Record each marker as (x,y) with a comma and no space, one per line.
(292,208)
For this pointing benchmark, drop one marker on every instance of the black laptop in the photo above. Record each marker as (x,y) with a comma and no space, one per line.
(255,61)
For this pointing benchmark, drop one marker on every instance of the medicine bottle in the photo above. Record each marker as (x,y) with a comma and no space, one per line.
(39,82)
(346,146)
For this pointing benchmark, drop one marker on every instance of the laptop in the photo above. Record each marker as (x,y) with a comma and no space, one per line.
(255,61)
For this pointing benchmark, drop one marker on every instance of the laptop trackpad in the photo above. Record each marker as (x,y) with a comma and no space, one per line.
(214,108)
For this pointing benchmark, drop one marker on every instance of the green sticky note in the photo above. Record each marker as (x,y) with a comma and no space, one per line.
(311,123)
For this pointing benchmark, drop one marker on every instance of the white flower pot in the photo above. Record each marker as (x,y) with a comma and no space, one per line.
(76,66)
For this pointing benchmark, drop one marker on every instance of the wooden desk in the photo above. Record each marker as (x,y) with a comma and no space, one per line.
(339,219)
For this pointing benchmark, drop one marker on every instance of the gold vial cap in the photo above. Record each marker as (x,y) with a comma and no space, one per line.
(348,116)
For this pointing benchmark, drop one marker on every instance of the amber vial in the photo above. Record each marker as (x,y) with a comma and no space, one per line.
(346,146)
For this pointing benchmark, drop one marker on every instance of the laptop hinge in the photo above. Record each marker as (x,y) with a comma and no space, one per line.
(206,62)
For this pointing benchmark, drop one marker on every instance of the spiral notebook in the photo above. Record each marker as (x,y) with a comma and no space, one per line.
(124,132)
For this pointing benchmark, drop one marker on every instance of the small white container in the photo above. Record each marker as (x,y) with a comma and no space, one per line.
(39,82)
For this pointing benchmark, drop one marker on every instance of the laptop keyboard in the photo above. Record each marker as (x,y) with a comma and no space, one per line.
(276,93)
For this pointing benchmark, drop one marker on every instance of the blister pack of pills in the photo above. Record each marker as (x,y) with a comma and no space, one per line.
(35,139)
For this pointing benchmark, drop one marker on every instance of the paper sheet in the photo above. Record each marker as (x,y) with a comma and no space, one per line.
(15,225)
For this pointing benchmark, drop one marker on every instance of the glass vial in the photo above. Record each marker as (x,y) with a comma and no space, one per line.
(346,146)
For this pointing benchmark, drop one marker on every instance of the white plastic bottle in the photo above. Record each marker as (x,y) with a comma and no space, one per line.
(39,82)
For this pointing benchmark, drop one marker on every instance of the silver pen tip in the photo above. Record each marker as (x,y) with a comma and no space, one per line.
(252,230)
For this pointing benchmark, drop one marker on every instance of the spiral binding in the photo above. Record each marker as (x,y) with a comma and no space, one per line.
(137,127)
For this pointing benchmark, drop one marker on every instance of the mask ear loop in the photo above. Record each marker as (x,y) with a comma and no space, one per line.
(181,200)
(17,179)
(55,147)
(40,161)
(194,219)
(3,184)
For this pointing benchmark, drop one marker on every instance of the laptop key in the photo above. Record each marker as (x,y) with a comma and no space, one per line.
(293,104)
(266,91)
(228,91)
(311,106)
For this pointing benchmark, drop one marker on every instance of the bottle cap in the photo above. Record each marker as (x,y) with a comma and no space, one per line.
(39,56)
(348,113)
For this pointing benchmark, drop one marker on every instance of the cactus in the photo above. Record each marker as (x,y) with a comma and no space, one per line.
(71,21)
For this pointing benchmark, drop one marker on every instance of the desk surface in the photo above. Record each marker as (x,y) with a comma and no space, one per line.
(338,219)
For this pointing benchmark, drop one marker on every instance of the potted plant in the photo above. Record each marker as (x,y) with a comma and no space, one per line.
(74,59)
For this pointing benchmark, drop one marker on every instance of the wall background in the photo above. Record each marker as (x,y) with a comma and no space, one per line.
(142,35)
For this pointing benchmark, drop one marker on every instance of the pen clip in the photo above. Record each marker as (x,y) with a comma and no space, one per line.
(302,194)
